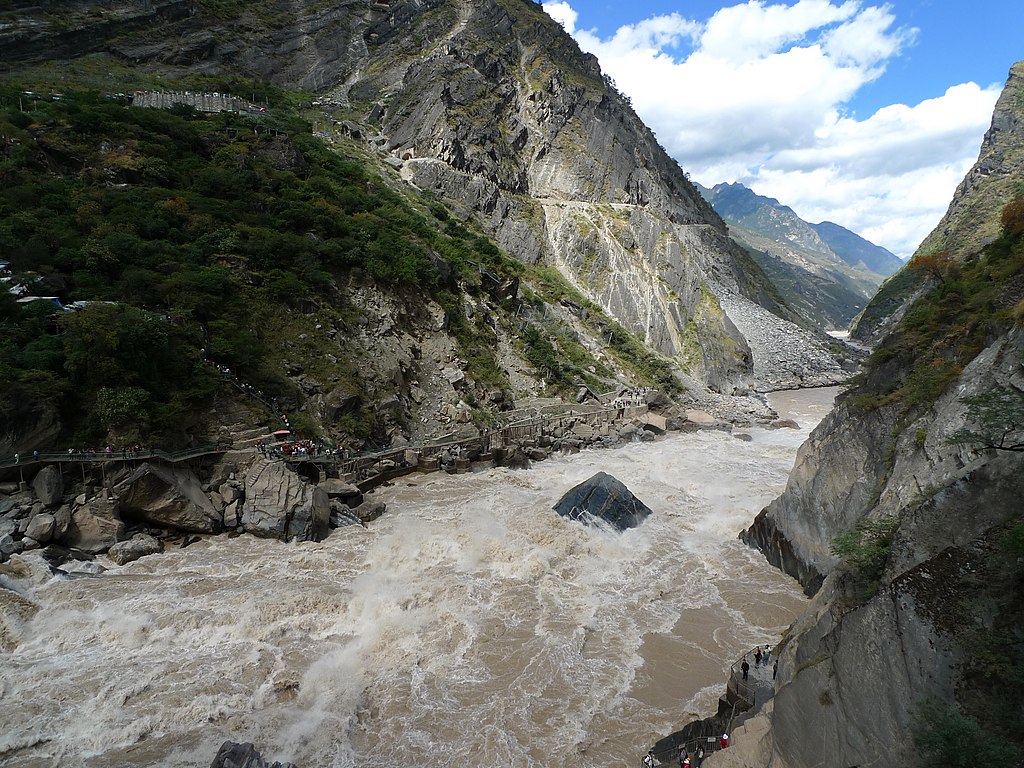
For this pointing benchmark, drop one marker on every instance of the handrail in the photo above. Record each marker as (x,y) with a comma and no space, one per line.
(39,457)
(511,430)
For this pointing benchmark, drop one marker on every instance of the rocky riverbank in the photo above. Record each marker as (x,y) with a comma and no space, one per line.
(131,508)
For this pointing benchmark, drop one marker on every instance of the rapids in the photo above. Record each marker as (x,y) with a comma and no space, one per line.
(469,626)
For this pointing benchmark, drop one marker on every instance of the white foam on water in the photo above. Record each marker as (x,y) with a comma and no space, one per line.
(469,625)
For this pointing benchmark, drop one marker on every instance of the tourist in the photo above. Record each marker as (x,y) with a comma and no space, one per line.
(684,758)
(745,667)
(724,741)
(767,654)
(757,656)
(649,759)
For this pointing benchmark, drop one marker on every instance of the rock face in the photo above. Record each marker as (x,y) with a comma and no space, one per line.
(944,600)
(168,496)
(605,498)
(281,504)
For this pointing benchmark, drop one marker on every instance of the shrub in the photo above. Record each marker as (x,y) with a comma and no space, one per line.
(944,736)
(865,547)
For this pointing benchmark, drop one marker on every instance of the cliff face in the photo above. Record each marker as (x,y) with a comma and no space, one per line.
(500,114)
(492,107)
(875,646)
(972,219)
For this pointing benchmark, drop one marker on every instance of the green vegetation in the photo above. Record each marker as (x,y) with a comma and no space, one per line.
(206,233)
(968,304)
(945,736)
(998,419)
(864,550)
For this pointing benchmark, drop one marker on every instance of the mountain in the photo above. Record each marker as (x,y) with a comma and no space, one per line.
(902,515)
(823,270)
(856,251)
(480,153)
(973,216)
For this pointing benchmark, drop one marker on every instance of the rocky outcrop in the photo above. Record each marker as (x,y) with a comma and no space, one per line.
(281,504)
(603,498)
(873,662)
(168,496)
(24,430)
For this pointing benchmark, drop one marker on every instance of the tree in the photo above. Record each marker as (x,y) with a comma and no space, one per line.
(998,419)
(935,264)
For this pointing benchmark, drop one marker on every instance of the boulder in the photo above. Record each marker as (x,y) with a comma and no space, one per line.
(41,527)
(701,418)
(49,485)
(95,527)
(168,497)
(370,510)
(281,504)
(232,515)
(61,521)
(605,498)
(342,516)
(339,489)
(234,755)
(138,546)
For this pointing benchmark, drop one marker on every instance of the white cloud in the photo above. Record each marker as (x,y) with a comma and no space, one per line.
(757,94)
(563,13)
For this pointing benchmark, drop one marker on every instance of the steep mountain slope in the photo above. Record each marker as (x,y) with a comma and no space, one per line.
(972,218)
(824,271)
(493,108)
(856,251)
(903,512)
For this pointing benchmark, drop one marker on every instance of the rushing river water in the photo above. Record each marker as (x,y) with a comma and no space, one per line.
(469,626)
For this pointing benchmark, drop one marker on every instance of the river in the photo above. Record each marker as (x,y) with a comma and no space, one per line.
(470,625)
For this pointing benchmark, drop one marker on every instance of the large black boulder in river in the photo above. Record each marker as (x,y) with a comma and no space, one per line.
(605,498)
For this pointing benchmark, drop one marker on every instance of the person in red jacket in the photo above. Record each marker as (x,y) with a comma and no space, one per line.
(725,740)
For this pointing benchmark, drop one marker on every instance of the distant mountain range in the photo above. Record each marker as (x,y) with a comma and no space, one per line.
(824,271)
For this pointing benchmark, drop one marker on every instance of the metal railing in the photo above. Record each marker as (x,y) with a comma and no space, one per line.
(359,463)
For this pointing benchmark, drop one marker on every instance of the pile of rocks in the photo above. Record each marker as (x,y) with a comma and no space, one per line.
(140,509)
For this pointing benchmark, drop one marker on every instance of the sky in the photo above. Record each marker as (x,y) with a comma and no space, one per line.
(864,113)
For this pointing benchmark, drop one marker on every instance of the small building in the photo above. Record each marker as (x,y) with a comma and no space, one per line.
(29,299)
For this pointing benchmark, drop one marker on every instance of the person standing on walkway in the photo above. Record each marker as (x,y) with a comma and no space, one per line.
(649,759)
(745,666)
(725,740)
(757,656)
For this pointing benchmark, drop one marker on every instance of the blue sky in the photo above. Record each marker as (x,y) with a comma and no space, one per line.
(863,113)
